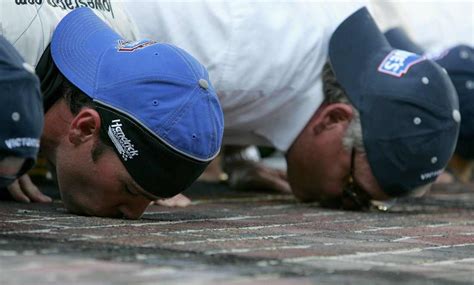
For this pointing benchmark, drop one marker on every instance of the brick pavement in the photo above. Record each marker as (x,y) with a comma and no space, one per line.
(244,238)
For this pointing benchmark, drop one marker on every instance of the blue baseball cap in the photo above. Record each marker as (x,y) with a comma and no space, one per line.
(158,108)
(21,117)
(408,107)
(459,63)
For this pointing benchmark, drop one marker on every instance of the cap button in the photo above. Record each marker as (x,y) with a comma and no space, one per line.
(464,54)
(456,116)
(470,84)
(15,116)
(203,83)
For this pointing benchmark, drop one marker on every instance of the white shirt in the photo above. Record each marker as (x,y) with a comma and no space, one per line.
(434,25)
(264,58)
(29,27)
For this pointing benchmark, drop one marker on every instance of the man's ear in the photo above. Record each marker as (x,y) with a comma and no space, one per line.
(84,126)
(331,116)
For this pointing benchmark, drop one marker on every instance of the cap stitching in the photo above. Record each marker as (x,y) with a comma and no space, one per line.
(179,53)
(154,76)
(214,129)
(177,114)
(95,86)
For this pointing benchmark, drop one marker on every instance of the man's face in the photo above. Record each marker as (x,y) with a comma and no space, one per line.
(330,173)
(320,167)
(98,188)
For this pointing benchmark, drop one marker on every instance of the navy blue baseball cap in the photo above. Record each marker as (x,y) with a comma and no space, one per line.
(159,111)
(408,107)
(21,116)
(459,63)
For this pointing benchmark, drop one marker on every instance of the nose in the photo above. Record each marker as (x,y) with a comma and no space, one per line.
(135,209)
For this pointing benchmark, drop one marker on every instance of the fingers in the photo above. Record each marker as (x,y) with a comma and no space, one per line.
(17,194)
(23,190)
(282,174)
(32,191)
(274,180)
(177,201)
(259,176)
(445,177)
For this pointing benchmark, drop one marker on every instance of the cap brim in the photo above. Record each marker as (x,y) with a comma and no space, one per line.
(352,49)
(157,168)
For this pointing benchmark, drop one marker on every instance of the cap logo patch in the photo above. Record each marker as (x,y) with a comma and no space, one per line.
(123,145)
(131,46)
(22,142)
(398,62)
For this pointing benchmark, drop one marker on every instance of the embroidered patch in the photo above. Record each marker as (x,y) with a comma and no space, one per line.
(131,46)
(123,145)
(430,175)
(13,143)
(398,62)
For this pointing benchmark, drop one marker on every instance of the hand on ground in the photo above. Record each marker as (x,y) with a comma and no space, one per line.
(257,176)
(177,201)
(23,190)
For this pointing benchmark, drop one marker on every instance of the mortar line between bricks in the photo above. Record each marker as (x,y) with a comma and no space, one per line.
(38,219)
(239,228)
(427,264)
(276,207)
(248,199)
(376,229)
(210,240)
(245,250)
(449,262)
(416,237)
(399,266)
(89,237)
(235,218)
(27,232)
(370,254)
(151,223)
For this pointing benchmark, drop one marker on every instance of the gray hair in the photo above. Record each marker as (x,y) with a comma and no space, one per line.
(334,93)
